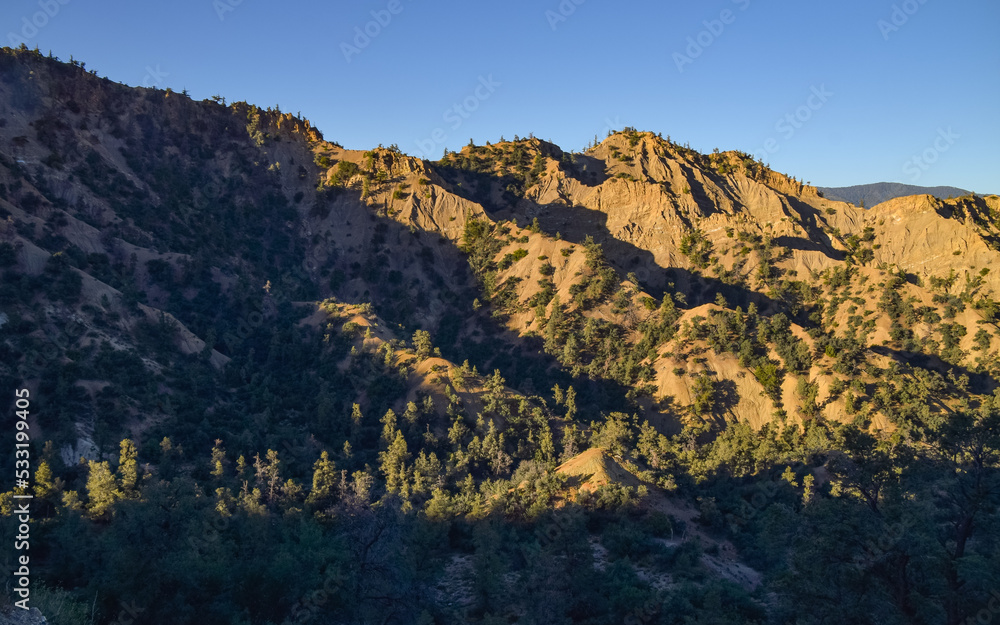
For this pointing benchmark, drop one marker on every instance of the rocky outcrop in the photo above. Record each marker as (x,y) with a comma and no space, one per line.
(17,616)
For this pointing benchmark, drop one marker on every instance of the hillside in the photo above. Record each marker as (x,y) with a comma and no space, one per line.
(868,195)
(516,383)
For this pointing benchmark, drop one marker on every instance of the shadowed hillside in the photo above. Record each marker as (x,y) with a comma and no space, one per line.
(275,380)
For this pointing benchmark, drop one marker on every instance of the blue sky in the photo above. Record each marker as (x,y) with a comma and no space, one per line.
(834,93)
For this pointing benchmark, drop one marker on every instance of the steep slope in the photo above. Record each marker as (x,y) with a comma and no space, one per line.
(696,228)
(593,469)
(274,324)
(384,227)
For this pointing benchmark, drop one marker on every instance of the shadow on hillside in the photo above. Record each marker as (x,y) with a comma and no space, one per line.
(980,383)
(726,398)
(698,194)
(587,170)
(817,240)
(576,223)
(491,191)
(808,245)
(448,290)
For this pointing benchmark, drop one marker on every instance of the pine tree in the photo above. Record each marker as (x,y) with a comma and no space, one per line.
(71,501)
(167,457)
(224,501)
(44,486)
(807,494)
(422,343)
(439,507)
(389,428)
(361,486)
(250,501)
(493,403)
(494,452)
(268,474)
(426,472)
(291,494)
(128,469)
(546,448)
(789,476)
(412,413)
(457,431)
(570,403)
(393,463)
(102,490)
(324,482)
(218,459)
(570,442)
(570,351)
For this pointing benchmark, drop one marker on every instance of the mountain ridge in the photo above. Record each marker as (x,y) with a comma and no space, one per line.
(274,325)
(868,195)
(658,210)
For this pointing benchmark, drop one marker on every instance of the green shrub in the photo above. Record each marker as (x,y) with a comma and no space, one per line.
(345,171)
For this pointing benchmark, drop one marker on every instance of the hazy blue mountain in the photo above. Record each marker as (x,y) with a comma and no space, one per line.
(872,194)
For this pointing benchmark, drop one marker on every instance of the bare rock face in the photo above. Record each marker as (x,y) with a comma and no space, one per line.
(17,616)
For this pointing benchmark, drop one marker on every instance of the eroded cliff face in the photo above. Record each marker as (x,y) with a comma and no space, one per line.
(146,196)
(651,340)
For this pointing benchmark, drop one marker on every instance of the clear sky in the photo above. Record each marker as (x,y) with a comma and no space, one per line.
(834,93)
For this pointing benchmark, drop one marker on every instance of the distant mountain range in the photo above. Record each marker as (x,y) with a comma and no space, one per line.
(872,194)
